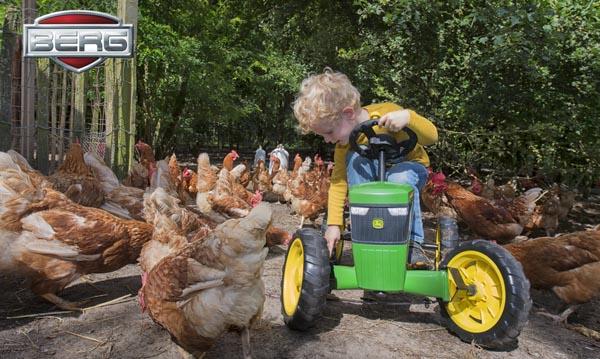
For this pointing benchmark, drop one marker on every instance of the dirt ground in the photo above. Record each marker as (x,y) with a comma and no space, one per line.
(348,329)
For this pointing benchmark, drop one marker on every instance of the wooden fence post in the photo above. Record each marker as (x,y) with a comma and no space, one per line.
(28,90)
(120,92)
(79,105)
(9,42)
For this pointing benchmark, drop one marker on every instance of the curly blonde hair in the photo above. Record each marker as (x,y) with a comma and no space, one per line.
(322,97)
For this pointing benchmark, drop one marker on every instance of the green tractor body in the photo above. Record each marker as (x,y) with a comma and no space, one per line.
(381,215)
(481,288)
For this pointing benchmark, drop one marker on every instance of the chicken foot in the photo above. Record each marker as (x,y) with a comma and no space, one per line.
(62,303)
(245,335)
(562,317)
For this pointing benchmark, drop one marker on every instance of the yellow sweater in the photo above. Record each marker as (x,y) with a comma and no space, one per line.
(426,135)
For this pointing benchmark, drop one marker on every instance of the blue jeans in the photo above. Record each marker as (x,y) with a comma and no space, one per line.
(361,169)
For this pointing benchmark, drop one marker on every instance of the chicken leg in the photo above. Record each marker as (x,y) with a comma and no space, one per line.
(245,334)
(61,303)
(562,317)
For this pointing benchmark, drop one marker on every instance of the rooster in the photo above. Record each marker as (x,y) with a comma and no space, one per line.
(53,241)
(199,290)
(76,179)
(569,265)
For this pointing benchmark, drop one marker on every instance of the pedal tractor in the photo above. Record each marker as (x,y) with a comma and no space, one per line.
(481,289)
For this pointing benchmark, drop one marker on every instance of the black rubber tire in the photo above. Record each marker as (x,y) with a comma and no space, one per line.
(504,334)
(315,283)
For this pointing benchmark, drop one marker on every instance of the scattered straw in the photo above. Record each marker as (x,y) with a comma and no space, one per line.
(46,314)
(123,299)
(85,337)
(28,338)
(417,331)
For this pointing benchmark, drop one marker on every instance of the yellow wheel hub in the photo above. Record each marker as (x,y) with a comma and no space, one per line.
(479,309)
(292,276)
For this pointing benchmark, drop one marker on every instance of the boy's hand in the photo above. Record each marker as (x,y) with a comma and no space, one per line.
(332,236)
(395,121)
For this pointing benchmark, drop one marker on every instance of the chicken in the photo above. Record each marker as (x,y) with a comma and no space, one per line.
(553,208)
(199,290)
(177,180)
(280,182)
(146,156)
(76,179)
(190,180)
(162,178)
(38,180)
(238,190)
(275,236)
(297,163)
(261,180)
(138,176)
(51,240)
(174,170)
(245,176)
(122,201)
(229,159)
(275,168)
(487,219)
(223,199)
(433,197)
(206,181)
(569,265)
(311,203)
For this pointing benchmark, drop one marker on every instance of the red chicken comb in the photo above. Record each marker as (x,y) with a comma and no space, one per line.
(438,178)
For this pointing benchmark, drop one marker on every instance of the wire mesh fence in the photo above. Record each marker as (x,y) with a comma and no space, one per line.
(44,108)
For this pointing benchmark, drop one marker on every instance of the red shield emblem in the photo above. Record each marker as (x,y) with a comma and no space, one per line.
(78,40)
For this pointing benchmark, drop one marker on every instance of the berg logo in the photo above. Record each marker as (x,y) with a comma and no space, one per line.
(78,39)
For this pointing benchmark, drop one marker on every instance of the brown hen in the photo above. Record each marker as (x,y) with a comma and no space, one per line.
(569,265)
(53,241)
(197,291)
(76,179)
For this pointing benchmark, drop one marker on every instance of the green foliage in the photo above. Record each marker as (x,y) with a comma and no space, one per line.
(513,86)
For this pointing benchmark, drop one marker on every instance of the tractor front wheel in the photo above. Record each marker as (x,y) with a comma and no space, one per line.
(489,294)
(305,279)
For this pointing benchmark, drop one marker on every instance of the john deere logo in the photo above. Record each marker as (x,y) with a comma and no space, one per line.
(378,223)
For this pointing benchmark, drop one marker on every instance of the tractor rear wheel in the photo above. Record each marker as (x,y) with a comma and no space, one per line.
(495,307)
(305,279)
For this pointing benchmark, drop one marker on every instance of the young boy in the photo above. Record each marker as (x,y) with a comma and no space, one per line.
(329,105)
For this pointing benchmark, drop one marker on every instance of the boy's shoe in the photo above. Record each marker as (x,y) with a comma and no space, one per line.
(417,258)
